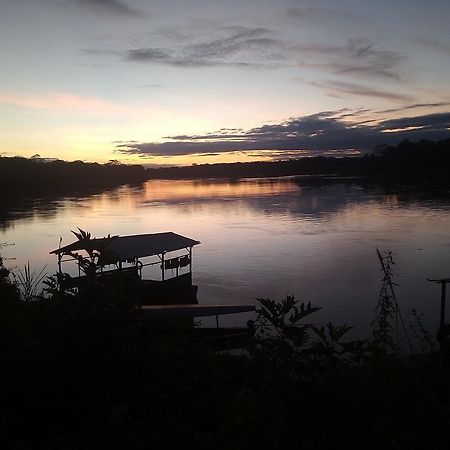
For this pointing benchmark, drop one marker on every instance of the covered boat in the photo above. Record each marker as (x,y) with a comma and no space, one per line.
(127,259)
(168,299)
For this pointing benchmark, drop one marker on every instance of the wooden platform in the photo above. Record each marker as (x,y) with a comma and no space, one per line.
(180,311)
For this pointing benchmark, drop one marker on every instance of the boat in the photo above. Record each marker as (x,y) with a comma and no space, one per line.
(168,298)
(125,259)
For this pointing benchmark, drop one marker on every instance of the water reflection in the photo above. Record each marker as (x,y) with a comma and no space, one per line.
(15,207)
(263,237)
(12,209)
(265,195)
(193,190)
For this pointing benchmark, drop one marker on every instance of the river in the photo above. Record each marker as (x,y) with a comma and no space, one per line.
(263,238)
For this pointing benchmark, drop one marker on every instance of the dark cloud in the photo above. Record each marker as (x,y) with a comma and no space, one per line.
(116,7)
(437,121)
(340,87)
(148,54)
(415,106)
(322,133)
(247,47)
(208,44)
(358,57)
(234,46)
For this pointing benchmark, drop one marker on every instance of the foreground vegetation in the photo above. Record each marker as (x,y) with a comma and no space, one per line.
(82,372)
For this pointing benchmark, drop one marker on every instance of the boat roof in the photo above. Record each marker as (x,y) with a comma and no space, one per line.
(125,248)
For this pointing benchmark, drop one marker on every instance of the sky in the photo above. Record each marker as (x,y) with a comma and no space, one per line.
(197,81)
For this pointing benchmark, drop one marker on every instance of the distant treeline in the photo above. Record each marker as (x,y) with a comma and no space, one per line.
(425,160)
(39,175)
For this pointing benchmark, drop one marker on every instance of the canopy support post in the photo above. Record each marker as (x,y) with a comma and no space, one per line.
(442,332)
(60,273)
(443,289)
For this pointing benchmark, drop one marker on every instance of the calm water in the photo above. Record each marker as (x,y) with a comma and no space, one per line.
(263,238)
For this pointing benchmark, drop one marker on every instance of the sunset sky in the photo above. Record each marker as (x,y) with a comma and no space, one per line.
(194,81)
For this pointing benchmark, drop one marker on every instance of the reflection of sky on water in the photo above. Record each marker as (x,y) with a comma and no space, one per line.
(264,237)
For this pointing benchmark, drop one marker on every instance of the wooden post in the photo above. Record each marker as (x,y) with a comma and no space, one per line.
(190,261)
(60,277)
(443,288)
(441,332)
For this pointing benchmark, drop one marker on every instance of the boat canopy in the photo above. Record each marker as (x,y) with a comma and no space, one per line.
(116,249)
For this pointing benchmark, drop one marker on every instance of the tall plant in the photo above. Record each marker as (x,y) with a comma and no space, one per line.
(388,318)
(29,282)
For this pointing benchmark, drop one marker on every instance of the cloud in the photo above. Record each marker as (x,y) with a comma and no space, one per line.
(233,46)
(357,57)
(261,47)
(435,44)
(439,121)
(316,13)
(208,44)
(415,106)
(115,7)
(63,101)
(327,132)
(339,87)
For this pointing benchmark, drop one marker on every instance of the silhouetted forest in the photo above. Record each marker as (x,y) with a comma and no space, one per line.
(408,161)
(38,175)
(424,161)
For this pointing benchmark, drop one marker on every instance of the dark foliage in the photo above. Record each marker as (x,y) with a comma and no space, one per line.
(41,176)
(82,372)
(424,161)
